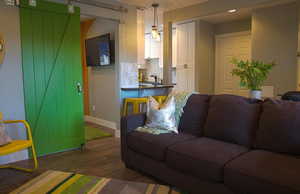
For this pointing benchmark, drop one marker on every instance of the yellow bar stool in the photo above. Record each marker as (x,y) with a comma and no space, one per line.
(160,99)
(136,102)
(18,145)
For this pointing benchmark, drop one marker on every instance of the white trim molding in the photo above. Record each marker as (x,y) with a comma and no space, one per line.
(103,122)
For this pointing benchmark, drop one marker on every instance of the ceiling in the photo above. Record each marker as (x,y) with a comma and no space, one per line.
(166,5)
(241,14)
(223,17)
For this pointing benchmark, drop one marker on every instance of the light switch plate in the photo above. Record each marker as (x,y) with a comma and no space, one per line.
(2,49)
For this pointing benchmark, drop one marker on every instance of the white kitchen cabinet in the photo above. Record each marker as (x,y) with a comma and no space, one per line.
(174,48)
(147,46)
(152,47)
(155,49)
(161,56)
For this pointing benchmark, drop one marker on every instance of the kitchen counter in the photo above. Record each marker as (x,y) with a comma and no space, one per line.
(148,87)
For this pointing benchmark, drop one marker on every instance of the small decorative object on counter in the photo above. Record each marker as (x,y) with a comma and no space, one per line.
(252,75)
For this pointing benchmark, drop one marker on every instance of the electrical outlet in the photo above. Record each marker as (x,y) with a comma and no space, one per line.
(93,108)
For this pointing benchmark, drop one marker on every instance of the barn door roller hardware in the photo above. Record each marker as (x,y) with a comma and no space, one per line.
(117,8)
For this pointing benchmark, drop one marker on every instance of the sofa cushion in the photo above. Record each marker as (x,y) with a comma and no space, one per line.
(279,127)
(154,146)
(232,119)
(195,112)
(263,172)
(203,157)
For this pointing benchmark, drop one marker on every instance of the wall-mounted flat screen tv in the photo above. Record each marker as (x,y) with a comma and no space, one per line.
(100,51)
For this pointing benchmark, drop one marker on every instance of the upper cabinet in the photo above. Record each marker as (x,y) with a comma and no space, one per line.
(161,58)
(174,47)
(147,45)
(152,47)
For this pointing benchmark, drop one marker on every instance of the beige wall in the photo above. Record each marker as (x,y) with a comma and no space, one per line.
(11,77)
(128,48)
(128,36)
(275,38)
(205,57)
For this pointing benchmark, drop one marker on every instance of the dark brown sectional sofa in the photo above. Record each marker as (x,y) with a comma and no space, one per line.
(226,144)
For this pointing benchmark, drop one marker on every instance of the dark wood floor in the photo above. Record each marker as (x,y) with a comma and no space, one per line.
(99,158)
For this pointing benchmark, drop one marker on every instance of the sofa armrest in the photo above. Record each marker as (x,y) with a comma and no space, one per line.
(128,124)
(131,122)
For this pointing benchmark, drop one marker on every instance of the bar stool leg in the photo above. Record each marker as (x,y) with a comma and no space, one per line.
(125,108)
(136,108)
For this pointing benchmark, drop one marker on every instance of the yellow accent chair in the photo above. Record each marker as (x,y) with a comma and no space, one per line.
(137,102)
(18,145)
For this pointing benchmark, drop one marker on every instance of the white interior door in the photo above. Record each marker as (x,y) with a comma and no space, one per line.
(237,45)
(185,65)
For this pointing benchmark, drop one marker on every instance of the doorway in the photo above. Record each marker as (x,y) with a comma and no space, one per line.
(229,46)
(183,55)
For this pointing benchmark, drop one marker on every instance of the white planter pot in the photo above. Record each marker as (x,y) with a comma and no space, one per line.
(255,94)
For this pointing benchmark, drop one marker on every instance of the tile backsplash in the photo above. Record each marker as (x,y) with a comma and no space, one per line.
(129,75)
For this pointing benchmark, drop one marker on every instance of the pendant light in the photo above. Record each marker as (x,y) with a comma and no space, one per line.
(154,32)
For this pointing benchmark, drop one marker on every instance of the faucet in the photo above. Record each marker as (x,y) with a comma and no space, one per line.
(155,78)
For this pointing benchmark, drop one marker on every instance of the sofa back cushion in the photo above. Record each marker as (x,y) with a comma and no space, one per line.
(195,112)
(279,127)
(232,119)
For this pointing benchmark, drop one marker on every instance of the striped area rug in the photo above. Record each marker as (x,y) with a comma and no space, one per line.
(69,183)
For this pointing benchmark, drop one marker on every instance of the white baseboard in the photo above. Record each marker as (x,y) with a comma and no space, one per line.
(105,123)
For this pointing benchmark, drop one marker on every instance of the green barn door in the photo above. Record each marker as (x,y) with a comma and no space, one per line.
(52,75)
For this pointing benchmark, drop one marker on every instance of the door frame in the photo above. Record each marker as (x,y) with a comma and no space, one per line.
(217,38)
(193,53)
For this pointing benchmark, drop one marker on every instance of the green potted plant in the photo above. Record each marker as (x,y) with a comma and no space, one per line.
(252,75)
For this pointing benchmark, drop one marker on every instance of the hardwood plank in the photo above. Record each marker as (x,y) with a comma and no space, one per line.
(100,158)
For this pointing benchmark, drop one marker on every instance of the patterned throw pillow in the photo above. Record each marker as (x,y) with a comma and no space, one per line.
(161,116)
(4,138)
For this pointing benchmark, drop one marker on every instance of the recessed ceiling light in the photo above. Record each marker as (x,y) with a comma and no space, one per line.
(232,10)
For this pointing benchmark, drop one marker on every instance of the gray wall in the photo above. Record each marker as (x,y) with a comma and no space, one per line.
(275,38)
(105,83)
(205,50)
(103,87)
(11,80)
(234,26)
(210,7)
(205,57)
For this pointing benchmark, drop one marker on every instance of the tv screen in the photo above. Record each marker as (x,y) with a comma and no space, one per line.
(98,51)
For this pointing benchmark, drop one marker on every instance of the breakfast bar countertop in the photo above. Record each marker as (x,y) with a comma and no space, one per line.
(144,87)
